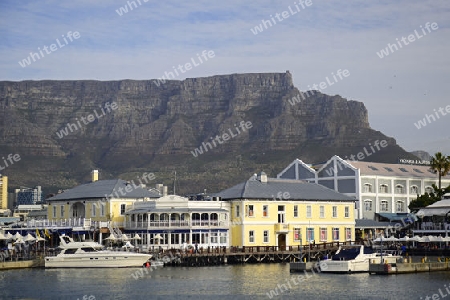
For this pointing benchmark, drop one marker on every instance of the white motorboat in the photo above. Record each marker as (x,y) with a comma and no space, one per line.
(91,255)
(356,258)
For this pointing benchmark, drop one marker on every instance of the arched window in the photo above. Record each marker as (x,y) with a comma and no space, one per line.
(400,206)
(384,188)
(368,205)
(428,189)
(367,188)
(384,205)
(414,189)
(399,189)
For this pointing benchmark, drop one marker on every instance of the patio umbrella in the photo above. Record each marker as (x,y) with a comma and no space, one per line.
(404,239)
(3,237)
(19,241)
(390,239)
(9,236)
(124,237)
(17,236)
(29,238)
(136,237)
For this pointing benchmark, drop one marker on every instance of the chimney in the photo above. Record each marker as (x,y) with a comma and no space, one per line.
(94,175)
(262,177)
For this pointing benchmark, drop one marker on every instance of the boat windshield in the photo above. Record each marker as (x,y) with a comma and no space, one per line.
(346,254)
(88,249)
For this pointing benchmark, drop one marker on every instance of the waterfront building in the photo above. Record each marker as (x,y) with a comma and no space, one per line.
(173,221)
(3,193)
(383,191)
(29,196)
(98,205)
(282,212)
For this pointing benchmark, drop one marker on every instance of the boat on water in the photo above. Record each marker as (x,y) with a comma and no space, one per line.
(92,255)
(356,258)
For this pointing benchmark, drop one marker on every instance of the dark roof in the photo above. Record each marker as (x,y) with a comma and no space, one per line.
(274,188)
(115,188)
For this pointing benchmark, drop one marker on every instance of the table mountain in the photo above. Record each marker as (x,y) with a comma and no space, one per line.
(64,129)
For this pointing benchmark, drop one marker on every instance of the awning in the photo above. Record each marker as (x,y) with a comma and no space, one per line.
(397,216)
(426,212)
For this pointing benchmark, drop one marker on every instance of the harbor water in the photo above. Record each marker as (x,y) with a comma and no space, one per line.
(262,281)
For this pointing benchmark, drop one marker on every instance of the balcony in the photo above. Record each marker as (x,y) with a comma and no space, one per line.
(281,228)
(176,224)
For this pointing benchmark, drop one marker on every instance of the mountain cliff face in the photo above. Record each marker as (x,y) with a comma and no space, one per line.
(64,129)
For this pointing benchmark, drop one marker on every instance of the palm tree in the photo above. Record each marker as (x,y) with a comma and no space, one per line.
(440,164)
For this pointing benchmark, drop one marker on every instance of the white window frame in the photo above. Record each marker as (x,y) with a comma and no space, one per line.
(295,211)
(93,210)
(251,236)
(346,212)
(384,188)
(336,230)
(367,188)
(309,211)
(335,211)
(124,208)
(266,236)
(323,234)
(322,211)
(348,234)
(399,189)
(384,205)
(368,204)
(265,210)
(62,211)
(402,204)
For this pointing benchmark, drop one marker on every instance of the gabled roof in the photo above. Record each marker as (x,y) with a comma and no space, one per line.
(115,188)
(274,188)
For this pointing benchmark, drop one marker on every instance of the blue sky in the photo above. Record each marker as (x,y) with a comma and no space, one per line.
(398,90)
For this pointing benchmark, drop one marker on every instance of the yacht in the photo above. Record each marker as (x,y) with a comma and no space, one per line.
(356,258)
(91,255)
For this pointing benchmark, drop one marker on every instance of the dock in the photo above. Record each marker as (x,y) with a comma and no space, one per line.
(256,254)
(406,266)
(21,264)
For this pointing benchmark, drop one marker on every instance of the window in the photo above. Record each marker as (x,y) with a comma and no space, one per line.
(400,206)
(214,238)
(122,209)
(295,211)
(414,189)
(281,214)
(237,211)
(335,234)
(383,205)
(384,188)
(368,205)
(428,189)
(102,209)
(251,236)
(94,210)
(308,211)
(334,211)
(418,171)
(348,234)
(403,170)
(322,211)
(54,211)
(389,169)
(223,237)
(367,188)
(249,209)
(265,210)
(62,211)
(346,212)
(372,168)
(310,234)
(399,189)
(266,236)
(297,234)
(323,234)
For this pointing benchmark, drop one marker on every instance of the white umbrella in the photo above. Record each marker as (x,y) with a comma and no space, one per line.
(29,238)
(390,239)
(3,237)
(9,236)
(111,238)
(404,239)
(40,239)
(446,239)
(17,236)
(124,237)
(19,241)
(158,236)
(136,237)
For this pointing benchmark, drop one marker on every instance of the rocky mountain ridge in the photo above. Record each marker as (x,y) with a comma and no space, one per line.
(64,129)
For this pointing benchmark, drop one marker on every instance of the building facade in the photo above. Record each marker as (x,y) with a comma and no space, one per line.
(29,196)
(381,190)
(3,192)
(173,222)
(278,212)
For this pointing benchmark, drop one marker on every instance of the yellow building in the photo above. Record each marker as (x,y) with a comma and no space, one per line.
(278,212)
(3,192)
(98,201)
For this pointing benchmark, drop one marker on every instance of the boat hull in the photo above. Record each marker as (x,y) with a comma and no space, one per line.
(104,260)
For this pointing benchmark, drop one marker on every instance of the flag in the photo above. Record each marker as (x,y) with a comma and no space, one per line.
(37,234)
(46,233)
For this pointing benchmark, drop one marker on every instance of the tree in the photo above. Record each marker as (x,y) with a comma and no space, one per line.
(440,164)
(428,198)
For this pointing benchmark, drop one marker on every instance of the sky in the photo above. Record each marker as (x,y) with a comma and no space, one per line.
(312,39)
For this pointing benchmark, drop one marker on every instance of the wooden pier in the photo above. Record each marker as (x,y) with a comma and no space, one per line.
(406,266)
(242,255)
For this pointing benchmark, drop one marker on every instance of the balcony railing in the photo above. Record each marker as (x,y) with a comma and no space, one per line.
(79,222)
(176,224)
